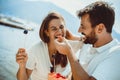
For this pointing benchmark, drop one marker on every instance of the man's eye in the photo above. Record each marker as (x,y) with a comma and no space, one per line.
(82,27)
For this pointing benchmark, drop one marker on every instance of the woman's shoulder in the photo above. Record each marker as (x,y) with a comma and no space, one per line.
(37,45)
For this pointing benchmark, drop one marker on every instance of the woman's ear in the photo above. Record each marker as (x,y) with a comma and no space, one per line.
(46,32)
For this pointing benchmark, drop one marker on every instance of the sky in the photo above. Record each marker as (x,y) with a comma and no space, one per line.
(74,5)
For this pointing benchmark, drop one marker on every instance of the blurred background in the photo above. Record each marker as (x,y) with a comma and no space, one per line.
(19,15)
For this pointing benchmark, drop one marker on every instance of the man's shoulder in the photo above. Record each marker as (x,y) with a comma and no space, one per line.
(115,47)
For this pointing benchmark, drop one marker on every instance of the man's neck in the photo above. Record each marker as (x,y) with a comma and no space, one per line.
(103,41)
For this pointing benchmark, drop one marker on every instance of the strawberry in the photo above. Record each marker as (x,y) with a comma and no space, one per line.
(58,75)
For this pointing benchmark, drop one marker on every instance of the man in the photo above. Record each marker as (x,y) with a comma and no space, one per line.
(100,55)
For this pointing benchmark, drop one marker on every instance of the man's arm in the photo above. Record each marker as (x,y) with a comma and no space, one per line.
(77,71)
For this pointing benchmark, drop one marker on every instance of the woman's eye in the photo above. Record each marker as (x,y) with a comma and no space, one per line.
(54,29)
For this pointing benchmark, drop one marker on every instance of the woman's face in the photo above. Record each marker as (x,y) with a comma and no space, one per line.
(56,28)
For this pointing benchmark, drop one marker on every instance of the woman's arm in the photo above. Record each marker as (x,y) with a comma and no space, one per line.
(70,36)
(21,59)
(23,73)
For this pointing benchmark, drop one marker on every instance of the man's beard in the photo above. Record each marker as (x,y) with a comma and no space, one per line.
(91,38)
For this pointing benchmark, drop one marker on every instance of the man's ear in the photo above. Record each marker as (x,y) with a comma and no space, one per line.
(100,28)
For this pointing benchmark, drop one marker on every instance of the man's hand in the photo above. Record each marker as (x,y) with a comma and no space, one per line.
(62,45)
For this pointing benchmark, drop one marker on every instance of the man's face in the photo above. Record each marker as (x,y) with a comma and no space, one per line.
(87,30)
(90,38)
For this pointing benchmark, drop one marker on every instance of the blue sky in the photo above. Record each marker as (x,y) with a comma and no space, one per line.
(36,10)
(73,5)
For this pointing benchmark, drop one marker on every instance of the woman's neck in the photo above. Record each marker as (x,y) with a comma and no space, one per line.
(52,50)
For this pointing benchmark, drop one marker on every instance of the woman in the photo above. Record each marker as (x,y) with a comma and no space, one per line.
(43,57)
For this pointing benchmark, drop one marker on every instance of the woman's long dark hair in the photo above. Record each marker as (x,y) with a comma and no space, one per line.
(60,59)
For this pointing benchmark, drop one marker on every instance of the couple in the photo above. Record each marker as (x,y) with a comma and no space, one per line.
(98,58)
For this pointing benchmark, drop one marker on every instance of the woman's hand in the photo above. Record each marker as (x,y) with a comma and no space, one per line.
(21,57)
(71,36)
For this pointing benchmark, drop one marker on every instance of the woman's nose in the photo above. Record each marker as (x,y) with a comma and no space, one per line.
(59,30)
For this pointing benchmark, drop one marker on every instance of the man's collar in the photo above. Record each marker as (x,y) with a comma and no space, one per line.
(106,46)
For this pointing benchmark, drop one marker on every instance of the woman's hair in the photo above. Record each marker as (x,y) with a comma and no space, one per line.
(45,24)
(60,58)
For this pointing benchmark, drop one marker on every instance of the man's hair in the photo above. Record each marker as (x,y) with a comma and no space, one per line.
(99,12)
